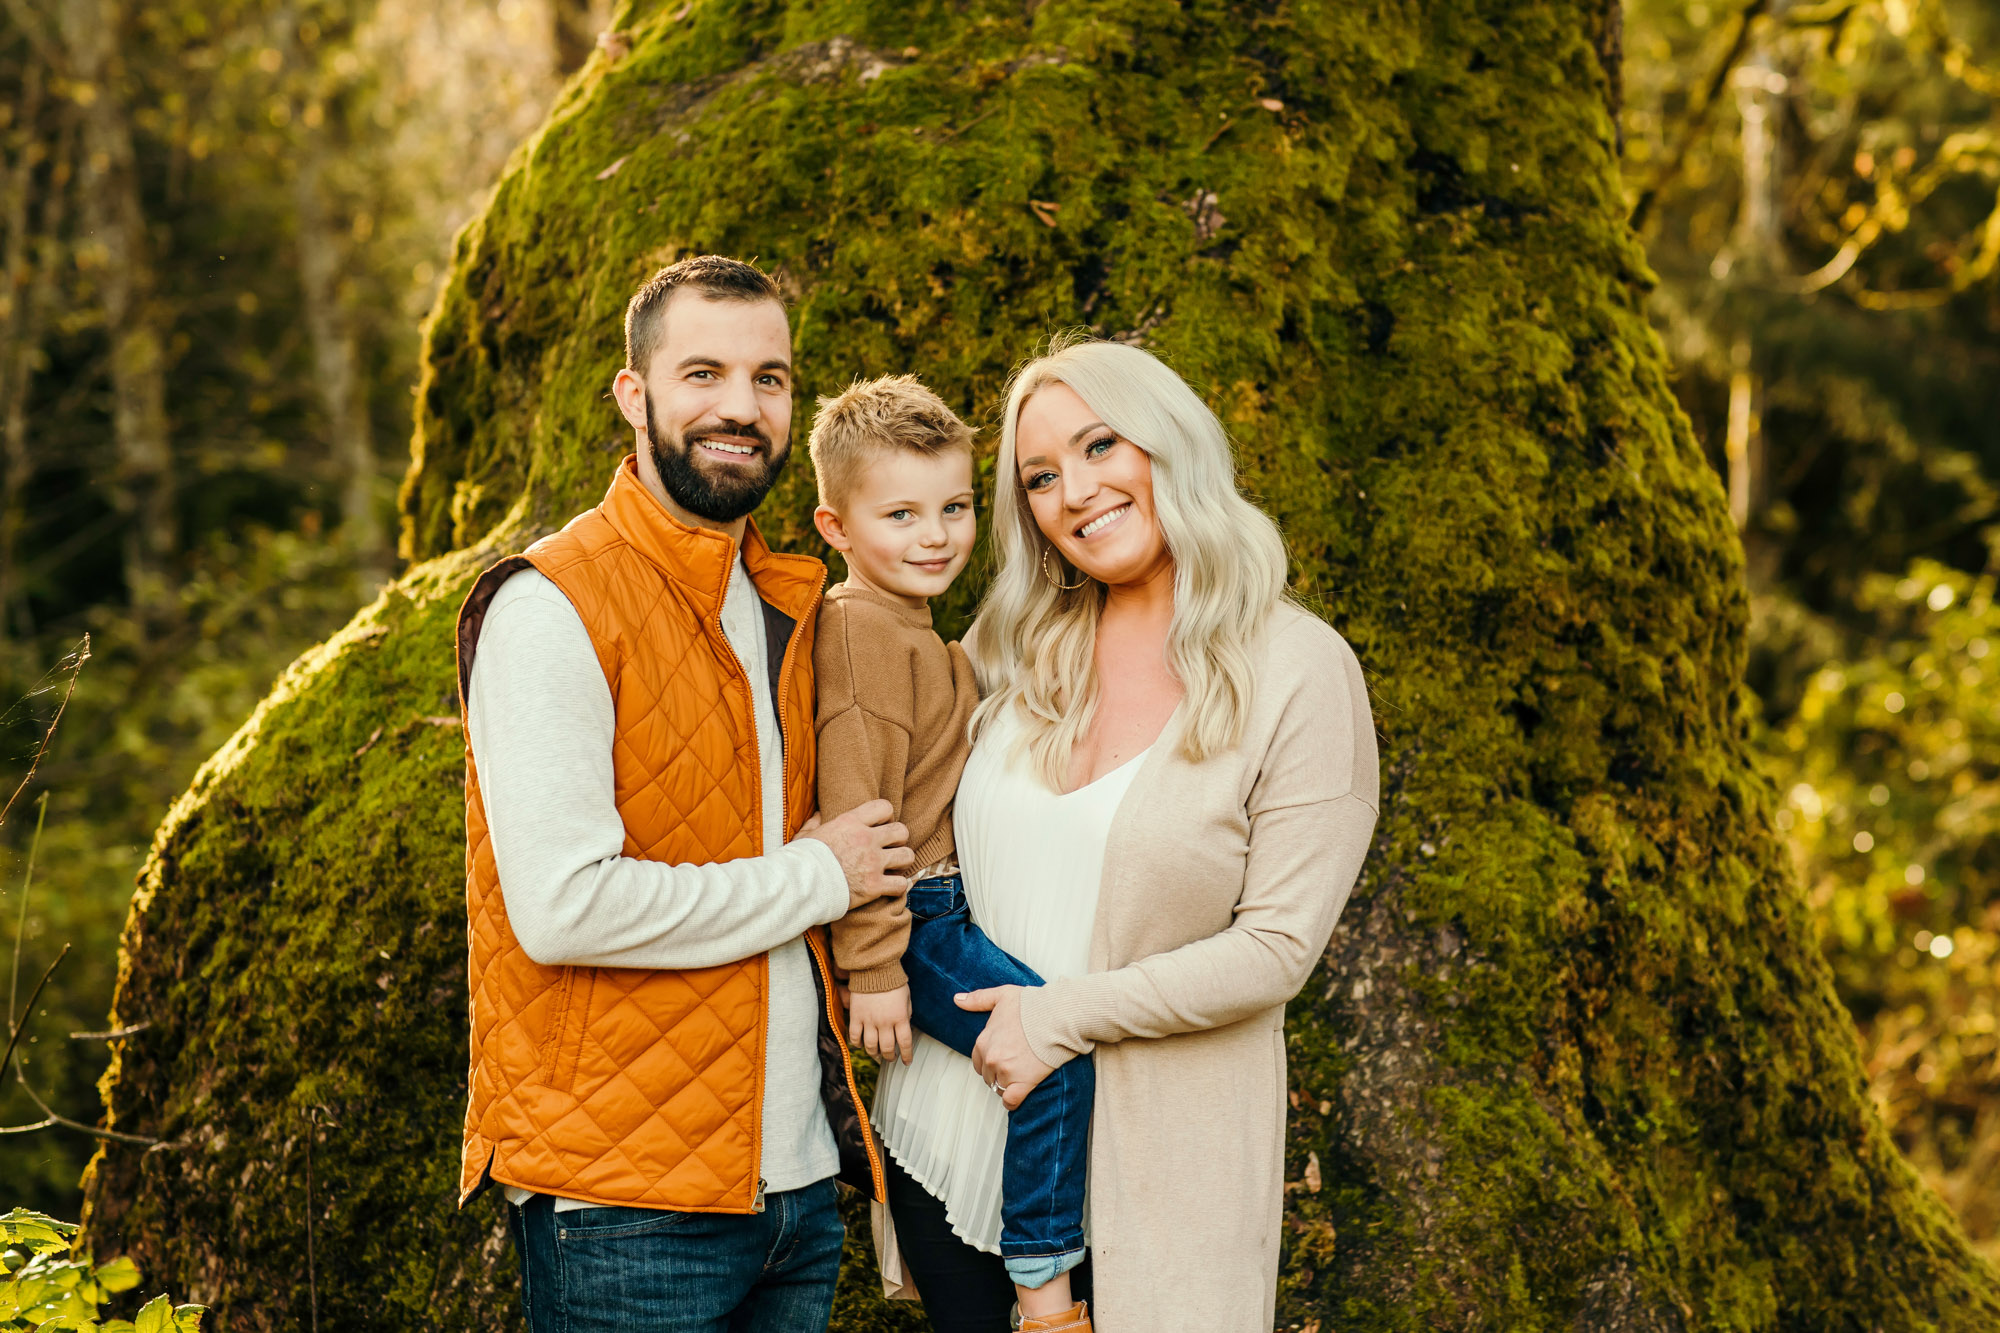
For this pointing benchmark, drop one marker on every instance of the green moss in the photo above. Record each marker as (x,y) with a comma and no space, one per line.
(1572,1060)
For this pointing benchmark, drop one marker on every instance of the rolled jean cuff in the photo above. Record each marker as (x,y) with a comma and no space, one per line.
(1034,1271)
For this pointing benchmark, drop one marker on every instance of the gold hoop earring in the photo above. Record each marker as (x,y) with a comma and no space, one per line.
(1049,574)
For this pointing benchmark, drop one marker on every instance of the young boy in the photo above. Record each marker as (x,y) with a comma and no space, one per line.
(894,466)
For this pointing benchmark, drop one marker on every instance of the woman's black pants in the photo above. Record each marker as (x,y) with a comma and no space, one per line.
(964,1290)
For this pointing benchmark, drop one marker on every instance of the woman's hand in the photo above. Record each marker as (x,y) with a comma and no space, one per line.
(1002,1055)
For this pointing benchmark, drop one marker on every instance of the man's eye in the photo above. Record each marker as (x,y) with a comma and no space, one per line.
(773,381)
(701,374)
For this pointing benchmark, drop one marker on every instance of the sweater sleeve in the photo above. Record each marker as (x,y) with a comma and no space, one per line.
(1312,811)
(864,755)
(541,724)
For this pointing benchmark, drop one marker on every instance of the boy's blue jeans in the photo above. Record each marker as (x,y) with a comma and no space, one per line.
(1048,1135)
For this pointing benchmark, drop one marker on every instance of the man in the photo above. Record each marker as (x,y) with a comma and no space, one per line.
(657,1081)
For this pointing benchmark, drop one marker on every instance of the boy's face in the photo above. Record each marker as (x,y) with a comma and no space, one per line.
(906,526)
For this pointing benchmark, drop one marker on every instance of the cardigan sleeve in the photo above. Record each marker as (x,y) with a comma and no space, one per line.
(1311,813)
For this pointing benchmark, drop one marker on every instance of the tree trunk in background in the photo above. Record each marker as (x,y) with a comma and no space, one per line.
(19,267)
(336,358)
(117,257)
(576,24)
(1572,1060)
(1756,257)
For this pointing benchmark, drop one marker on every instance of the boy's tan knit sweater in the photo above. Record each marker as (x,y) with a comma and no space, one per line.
(894,702)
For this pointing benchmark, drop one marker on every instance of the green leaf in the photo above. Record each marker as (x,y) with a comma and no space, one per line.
(187,1318)
(121,1274)
(38,1232)
(156,1316)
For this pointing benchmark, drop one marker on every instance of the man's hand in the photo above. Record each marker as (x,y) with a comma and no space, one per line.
(879,1023)
(869,847)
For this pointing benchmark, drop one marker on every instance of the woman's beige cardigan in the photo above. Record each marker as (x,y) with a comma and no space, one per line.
(1222,882)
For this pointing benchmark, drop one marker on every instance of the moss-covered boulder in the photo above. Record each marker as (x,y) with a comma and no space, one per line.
(1572,1060)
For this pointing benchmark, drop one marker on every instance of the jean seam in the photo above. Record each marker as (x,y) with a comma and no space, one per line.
(774,1261)
(562,1274)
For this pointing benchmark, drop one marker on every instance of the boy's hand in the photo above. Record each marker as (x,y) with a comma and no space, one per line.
(879,1023)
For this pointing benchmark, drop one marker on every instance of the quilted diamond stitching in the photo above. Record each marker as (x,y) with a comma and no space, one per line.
(659,1129)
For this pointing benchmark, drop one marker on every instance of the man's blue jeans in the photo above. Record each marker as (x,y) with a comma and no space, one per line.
(624,1270)
(1048,1136)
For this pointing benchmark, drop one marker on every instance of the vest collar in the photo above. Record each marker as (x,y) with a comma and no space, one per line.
(698,559)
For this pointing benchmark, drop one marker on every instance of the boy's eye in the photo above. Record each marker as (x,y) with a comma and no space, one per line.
(901,514)
(956,508)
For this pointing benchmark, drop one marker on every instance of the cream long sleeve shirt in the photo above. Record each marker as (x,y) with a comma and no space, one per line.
(541,723)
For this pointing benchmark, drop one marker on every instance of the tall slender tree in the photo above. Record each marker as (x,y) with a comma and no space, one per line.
(312,92)
(118,255)
(1572,1060)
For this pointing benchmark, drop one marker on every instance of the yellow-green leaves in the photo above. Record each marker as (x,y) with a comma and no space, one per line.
(45,1288)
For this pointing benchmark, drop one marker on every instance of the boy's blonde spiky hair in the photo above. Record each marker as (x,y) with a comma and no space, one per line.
(875,416)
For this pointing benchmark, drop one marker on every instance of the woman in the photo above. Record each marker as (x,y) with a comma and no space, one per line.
(1170,794)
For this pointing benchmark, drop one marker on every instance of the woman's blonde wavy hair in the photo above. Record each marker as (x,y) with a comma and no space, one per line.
(1033,646)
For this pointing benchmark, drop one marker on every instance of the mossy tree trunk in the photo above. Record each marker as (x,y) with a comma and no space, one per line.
(1572,1060)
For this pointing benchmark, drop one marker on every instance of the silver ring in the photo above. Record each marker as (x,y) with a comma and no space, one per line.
(999,1089)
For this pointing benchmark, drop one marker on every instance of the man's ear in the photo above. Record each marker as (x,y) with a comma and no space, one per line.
(829,525)
(630,392)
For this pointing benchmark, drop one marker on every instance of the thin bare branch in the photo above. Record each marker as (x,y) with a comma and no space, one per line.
(52,1117)
(113,1035)
(75,663)
(55,1117)
(16,1029)
(21,917)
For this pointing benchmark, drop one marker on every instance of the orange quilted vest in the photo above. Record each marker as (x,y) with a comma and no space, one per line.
(630,1085)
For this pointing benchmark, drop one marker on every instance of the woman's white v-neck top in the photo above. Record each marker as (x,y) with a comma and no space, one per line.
(1032,859)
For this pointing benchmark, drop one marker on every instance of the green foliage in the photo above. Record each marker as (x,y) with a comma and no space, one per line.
(43,1289)
(1891,774)
(146,708)
(1874,389)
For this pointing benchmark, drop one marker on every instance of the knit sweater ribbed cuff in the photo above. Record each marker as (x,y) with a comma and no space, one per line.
(1055,1016)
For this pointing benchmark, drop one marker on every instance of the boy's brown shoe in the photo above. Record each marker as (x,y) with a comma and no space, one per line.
(1076,1319)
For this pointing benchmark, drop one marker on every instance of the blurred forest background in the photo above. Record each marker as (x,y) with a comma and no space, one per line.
(221,225)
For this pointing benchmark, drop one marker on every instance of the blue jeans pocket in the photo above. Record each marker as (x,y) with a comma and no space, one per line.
(939,896)
(617,1223)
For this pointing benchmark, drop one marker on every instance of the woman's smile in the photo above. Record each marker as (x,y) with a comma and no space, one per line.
(1108,519)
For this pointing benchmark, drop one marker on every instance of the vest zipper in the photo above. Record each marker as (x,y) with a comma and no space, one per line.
(757,749)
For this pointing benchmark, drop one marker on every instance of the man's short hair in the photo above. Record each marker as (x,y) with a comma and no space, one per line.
(716,277)
(873,417)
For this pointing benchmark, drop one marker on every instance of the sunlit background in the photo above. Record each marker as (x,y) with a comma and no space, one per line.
(221,225)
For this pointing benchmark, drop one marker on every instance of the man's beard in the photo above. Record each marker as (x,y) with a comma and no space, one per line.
(719,498)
